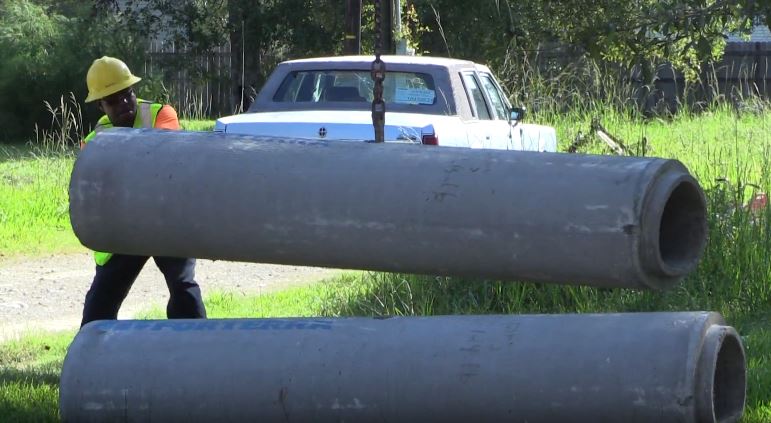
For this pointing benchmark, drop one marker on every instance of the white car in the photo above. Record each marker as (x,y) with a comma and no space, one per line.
(429,100)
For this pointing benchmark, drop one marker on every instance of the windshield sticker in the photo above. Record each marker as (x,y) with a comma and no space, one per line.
(415,96)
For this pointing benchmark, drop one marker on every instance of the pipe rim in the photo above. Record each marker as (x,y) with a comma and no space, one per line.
(721,376)
(676,234)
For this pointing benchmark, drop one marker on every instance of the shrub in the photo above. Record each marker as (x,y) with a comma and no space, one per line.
(47,47)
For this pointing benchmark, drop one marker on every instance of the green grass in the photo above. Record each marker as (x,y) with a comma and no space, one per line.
(757,343)
(197,125)
(718,143)
(293,302)
(29,377)
(34,215)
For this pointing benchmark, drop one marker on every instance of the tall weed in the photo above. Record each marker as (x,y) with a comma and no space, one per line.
(65,130)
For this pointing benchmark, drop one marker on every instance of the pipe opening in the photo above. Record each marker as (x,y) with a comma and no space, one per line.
(683,228)
(729,381)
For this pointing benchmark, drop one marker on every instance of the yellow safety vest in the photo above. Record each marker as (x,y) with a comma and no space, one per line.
(147,113)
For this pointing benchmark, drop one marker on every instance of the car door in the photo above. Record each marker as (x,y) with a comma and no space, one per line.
(499,129)
(477,128)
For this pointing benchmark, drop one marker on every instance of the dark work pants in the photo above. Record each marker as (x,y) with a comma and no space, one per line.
(113,282)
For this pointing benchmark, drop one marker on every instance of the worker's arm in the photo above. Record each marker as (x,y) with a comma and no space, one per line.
(167,118)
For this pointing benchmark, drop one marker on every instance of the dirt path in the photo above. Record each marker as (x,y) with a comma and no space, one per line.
(47,292)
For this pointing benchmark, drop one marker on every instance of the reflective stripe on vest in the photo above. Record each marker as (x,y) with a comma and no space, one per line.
(147,113)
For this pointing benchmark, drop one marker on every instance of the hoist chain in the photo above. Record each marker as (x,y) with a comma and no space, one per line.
(378,75)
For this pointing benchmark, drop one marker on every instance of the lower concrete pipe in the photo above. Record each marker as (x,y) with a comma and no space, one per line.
(510,215)
(637,367)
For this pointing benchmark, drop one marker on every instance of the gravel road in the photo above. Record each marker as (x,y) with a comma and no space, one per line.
(47,292)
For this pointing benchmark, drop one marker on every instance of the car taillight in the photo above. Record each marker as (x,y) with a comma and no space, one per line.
(430,139)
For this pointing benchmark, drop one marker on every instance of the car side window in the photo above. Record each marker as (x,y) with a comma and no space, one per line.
(475,96)
(495,97)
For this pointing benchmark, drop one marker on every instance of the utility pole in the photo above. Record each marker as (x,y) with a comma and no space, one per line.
(352,44)
(390,12)
(401,43)
(387,29)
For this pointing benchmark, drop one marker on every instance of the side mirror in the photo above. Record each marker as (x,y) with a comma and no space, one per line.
(517,114)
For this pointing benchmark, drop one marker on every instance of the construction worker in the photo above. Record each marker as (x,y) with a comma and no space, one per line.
(110,84)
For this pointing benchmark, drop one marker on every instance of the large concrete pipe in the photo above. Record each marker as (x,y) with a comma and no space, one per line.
(639,367)
(606,221)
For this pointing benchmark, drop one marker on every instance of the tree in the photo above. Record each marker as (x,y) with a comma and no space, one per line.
(47,47)
(685,33)
(28,44)
(259,34)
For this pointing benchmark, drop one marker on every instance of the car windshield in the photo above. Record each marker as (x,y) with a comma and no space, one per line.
(320,86)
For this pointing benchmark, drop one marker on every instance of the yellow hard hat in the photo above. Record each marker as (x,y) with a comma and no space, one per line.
(108,75)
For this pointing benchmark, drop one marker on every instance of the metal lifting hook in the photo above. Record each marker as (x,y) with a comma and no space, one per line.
(378,75)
